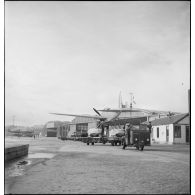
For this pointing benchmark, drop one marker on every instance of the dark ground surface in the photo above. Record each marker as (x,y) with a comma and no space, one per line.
(60,167)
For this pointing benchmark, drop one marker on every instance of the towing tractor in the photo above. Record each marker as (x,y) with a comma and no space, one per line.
(136,137)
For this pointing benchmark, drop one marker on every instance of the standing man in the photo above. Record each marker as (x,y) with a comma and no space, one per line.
(149,126)
(127,133)
(34,134)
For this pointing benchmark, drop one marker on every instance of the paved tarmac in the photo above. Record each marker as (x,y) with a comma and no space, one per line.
(67,167)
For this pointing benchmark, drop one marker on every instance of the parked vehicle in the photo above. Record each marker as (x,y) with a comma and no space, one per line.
(136,138)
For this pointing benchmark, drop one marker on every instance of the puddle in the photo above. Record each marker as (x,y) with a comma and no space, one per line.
(17,168)
(23,162)
(41,155)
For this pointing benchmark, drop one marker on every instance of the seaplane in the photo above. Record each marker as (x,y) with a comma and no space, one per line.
(102,121)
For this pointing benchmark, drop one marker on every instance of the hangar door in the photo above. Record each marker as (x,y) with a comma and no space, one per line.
(81,128)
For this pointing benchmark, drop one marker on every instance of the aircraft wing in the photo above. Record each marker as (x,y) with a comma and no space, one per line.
(157,111)
(115,116)
(137,110)
(81,115)
(121,110)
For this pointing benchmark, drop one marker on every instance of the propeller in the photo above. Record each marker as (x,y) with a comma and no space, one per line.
(96,111)
(100,124)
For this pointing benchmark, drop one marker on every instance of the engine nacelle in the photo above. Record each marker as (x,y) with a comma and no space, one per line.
(116,132)
(94,132)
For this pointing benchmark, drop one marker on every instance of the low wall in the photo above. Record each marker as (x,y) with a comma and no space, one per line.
(12,152)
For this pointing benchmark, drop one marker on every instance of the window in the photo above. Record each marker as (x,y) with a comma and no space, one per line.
(177,132)
(157,132)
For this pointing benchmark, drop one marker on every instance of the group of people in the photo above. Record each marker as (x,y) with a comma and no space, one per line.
(36,135)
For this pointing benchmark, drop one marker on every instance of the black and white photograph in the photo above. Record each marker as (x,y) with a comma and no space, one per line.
(97,97)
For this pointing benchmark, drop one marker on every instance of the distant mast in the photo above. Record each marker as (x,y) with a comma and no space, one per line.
(119,103)
(131,102)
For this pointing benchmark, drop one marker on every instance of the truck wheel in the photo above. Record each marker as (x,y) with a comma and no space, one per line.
(141,148)
(92,143)
(115,143)
(87,143)
(112,143)
(137,147)
(124,146)
(119,143)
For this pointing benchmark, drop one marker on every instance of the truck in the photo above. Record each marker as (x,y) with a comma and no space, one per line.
(136,137)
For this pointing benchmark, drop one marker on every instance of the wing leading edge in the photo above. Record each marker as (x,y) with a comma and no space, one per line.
(80,115)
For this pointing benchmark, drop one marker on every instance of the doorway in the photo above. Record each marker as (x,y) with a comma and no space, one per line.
(187,134)
(167,133)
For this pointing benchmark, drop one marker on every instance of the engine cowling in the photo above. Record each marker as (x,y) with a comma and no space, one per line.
(116,132)
(94,132)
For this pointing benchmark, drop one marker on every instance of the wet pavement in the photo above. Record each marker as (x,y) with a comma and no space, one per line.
(57,167)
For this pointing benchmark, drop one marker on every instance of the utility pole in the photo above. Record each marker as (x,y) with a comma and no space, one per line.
(119,104)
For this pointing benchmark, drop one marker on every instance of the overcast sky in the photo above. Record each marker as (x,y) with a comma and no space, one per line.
(69,57)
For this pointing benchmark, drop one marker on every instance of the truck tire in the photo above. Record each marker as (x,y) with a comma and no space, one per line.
(137,147)
(115,143)
(119,143)
(124,146)
(87,143)
(141,148)
(92,143)
(112,143)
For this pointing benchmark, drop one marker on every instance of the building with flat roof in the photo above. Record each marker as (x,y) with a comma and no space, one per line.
(171,130)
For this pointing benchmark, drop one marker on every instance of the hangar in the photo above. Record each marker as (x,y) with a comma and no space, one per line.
(50,128)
